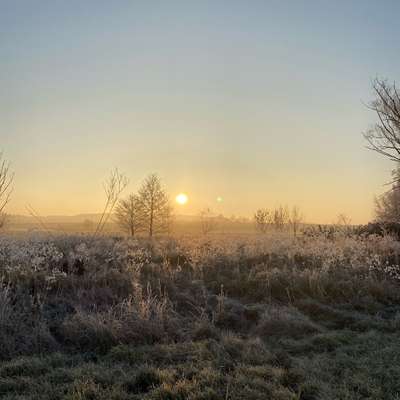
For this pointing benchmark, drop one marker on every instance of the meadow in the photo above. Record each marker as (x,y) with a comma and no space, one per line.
(200,317)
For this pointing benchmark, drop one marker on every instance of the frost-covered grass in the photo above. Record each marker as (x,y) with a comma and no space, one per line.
(234,317)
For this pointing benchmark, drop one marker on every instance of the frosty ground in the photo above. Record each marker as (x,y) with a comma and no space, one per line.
(221,317)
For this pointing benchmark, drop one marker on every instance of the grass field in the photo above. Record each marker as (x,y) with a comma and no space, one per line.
(234,317)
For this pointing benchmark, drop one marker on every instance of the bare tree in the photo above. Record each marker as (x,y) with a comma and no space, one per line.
(6,180)
(262,219)
(384,136)
(113,187)
(387,206)
(129,216)
(280,217)
(155,206)
(295,219)
(208,221)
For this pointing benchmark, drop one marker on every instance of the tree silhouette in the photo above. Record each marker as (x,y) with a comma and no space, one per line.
(295,219)
(129,216)
(262,219)
(208,221)
(113,187)
(384,136)
(6,180)
(387,206)
(155,206)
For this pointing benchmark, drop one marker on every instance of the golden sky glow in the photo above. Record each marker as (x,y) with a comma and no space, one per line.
(259,103)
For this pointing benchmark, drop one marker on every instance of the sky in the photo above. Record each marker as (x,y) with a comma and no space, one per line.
(259,103)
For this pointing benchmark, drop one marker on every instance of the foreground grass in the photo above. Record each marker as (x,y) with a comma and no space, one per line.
(115,319)
(333,365)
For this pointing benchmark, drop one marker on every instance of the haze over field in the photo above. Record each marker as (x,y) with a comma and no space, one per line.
(258,104)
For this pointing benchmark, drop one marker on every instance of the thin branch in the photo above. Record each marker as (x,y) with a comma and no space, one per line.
(113,187)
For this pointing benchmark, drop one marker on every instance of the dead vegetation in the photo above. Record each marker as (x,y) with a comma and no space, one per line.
(199,318)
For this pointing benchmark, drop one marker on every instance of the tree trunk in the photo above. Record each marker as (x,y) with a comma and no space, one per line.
(151,218)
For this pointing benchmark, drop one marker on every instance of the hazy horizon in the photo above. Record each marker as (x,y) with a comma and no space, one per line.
(260,104)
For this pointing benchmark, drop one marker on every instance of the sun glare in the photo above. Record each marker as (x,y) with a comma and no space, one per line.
(181,198)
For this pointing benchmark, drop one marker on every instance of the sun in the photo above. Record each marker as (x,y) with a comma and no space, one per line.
(181,198)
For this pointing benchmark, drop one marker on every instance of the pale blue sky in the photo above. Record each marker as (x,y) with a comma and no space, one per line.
(258,102)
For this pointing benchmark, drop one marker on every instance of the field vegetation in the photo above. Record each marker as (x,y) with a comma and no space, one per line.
(272,316)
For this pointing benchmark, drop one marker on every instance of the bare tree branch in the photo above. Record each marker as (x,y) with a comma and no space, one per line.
(32,212)
(155,206)
(129,215)
(6,180)
(113,187)
(384,137)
